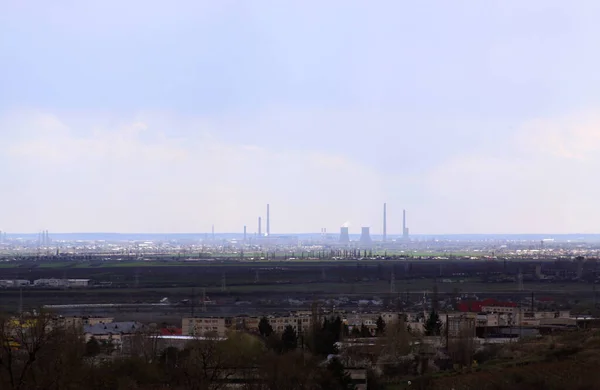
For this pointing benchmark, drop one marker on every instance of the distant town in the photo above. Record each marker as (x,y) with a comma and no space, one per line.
(369,311)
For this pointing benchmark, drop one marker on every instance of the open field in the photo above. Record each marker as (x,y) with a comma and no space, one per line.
(150,281)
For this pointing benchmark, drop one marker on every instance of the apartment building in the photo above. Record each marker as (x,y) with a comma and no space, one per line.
(301,324)
(205,326)
(113,332)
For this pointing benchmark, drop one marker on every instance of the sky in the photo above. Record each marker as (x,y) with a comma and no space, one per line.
(156,117)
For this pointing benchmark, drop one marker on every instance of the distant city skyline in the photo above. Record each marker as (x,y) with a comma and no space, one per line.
(146,116)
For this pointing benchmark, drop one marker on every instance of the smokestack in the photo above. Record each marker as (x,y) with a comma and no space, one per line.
(244,233)
(259,226)
(268,222)
(213,232)
(404,228)
(384,222)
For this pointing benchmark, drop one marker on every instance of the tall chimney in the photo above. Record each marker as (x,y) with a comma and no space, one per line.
(404,228)
(384,222)
(244,233)
(259,226)
(268,222)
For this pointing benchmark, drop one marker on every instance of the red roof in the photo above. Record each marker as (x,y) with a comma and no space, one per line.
(171,332)
(476,306)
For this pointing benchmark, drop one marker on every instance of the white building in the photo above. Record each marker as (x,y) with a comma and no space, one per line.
(14,283)
(50,282)
(78,282)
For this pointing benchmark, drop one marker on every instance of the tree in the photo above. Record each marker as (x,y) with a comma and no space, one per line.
(264,327)
(290,371)
(289,339)
(324,338)
(346,331)
(380,326)
(92,347)
(355,333)
(335,377)
(433,325)
(364,331)
(144,343)
(36,352)
(396,341)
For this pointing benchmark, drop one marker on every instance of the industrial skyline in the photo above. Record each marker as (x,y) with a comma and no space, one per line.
(345,231)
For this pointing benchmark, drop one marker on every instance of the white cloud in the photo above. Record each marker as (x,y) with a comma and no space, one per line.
(164,173)
(133,177)
(543,183)
(574,136)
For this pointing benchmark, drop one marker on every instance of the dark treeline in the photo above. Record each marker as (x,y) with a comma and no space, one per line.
(35,356)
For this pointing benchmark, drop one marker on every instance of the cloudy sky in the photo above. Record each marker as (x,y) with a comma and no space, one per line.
(153,116)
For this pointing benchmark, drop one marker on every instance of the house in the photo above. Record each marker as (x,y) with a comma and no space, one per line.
(113,332)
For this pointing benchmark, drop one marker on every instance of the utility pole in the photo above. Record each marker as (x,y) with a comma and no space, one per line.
(203,300)
(20,301)
(520,280)
(193,302)
(223,283)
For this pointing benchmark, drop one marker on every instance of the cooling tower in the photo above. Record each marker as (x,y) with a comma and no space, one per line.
(365,236)
(344,236)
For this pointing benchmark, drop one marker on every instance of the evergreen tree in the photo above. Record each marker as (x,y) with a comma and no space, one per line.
(289,339)
(264,327)
(336,377)
(380,326)
(433,325)
(355,332)
(346,331)
(326,337)
(92,347)
(336,328)
(364,331)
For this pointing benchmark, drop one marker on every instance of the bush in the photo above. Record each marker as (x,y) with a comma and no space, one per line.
(562,353)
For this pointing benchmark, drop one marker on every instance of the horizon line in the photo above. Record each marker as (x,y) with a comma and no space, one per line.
(287,234)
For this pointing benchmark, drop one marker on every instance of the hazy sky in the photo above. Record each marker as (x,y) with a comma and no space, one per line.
(153,116)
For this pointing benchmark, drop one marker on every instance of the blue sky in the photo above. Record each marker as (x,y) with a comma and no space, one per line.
(146,116)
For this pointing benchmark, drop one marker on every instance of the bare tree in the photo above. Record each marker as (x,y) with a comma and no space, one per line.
(461,346)
(143,344)
(35,353)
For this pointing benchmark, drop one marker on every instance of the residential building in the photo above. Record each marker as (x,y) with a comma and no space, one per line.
(113,332)
(301,324)
(203,326)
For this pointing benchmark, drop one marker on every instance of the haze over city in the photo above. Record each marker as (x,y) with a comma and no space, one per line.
(476,117)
